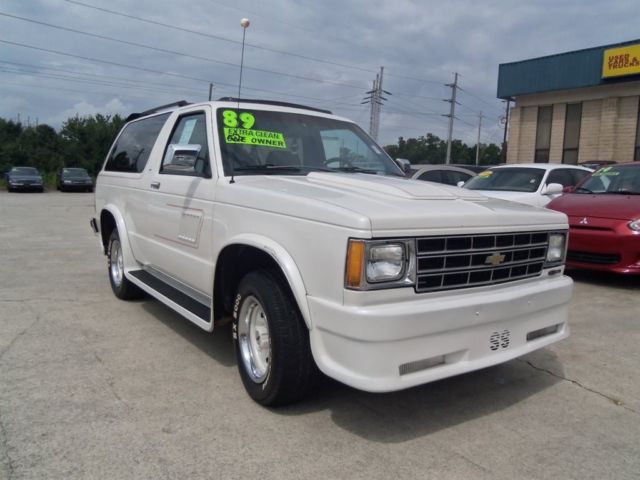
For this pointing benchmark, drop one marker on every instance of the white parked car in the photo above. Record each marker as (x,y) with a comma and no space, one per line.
(446,174)
(531,183)
(298,228)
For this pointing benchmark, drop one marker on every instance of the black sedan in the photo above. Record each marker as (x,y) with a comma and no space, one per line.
(74,179)
(24,178)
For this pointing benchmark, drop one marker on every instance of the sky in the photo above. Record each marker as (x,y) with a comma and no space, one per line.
(61,58)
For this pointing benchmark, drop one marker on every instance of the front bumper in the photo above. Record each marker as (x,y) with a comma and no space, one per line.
(609,247)
(395,346)
(26,187)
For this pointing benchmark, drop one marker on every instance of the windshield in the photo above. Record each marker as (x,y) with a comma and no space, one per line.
(512,179)
(614,179)
(258,142)
(75,172)
(24,171)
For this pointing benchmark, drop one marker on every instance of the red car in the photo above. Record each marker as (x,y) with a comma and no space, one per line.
(604,220)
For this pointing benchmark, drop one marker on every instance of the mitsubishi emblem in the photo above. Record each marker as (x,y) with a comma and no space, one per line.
(494,259)
(584,221)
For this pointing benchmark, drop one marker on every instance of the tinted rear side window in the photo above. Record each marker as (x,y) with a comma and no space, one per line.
(132,149)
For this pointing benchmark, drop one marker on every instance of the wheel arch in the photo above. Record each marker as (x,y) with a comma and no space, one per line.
(110,218)
(250,252)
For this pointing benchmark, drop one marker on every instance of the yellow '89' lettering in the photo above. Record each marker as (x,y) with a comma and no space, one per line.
(230,118)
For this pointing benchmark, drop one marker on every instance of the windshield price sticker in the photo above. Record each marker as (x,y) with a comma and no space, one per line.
(607,172)
(234,119)
(485,174)
(254,137)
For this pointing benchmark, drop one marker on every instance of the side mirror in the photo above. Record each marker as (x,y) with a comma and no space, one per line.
(569,189)
(405,165)
(181,159)
(552,189)
(460,183)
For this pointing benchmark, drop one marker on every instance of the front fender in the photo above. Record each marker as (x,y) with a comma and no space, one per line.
(129,260)
(286,263)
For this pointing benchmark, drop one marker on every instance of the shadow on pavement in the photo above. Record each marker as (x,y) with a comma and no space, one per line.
(399,416)
(217,345)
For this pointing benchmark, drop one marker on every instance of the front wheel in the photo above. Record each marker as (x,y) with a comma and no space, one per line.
(271,341)
(121,286)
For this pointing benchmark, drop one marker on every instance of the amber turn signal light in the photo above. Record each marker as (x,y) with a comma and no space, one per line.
(355,263)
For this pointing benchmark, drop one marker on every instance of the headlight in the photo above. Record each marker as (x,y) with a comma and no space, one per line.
(635,225)
(557,243)
(373,264)
(385,263)
(66,181)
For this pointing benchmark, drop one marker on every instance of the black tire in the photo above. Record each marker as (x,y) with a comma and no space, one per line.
(291,372)
(121,286)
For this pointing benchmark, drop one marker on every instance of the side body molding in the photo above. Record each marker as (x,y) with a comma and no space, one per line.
(286,264)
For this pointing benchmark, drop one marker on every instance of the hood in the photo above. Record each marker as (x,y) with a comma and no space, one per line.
(522,197)
(382,204)
(619,207)
(22,177)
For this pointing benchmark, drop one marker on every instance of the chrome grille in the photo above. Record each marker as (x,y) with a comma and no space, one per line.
(463,261)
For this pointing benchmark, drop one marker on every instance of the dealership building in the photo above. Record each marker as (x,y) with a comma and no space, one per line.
(574,107)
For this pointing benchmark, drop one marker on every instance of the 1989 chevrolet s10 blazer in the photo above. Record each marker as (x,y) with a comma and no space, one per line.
(296,226)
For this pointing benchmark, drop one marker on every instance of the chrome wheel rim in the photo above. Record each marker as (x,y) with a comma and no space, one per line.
(117,263)
(254,340)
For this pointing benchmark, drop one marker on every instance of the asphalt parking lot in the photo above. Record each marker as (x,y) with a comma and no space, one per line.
(92,387)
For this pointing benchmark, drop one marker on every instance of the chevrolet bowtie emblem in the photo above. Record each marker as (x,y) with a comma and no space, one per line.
(494,259)
(584,221)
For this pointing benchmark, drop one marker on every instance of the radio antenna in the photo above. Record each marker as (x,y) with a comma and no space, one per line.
(244,23)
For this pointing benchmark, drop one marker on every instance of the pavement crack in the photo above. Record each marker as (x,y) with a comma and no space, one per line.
(614,400)
(110,380)
(4,453)
(6,349)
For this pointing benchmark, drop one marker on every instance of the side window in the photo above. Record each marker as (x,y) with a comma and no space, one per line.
(452,177)
(431,176)
(561,176)
(131,151)
(187,152)
(578,175)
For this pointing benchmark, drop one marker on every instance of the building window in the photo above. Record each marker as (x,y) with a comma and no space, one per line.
(543,134)
(636,155)
(572,133)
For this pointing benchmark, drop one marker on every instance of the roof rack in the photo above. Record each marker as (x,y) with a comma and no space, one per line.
(180,103)
(272,102)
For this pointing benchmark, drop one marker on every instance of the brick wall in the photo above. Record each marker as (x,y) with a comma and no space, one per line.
(607,130)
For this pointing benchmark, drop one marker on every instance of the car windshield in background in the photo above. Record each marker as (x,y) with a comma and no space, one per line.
(75,172)
(258,142)
(515,179)
(613,179)
(24,171)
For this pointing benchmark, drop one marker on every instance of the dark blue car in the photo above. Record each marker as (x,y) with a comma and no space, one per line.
(24,178)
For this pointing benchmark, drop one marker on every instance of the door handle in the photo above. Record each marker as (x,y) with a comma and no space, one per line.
(155,185)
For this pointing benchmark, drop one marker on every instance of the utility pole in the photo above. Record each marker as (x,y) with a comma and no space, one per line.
(506,127)
(478,142)
(374,98)
(452,113)
(210,90)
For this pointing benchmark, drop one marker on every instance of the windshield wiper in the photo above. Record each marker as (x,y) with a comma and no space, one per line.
(625,192)
(267,168)
(354,170)
(582,189)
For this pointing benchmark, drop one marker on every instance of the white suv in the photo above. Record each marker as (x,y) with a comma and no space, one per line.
(292,223)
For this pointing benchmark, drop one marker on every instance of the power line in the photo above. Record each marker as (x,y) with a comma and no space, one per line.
(260,47)
(173,52)
(218,37)
(148,70)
